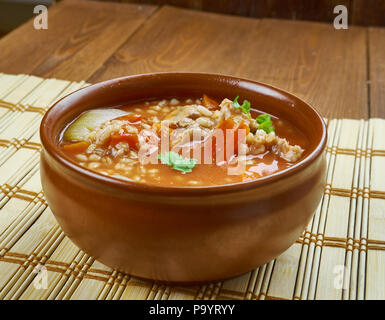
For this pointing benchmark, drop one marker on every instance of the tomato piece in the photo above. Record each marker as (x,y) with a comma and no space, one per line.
(123,136)
(130,138)
(242,126)
(76,148)
(227,124)
(209,103)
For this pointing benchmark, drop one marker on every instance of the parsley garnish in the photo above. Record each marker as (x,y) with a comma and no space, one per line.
(265,123)
(177,162)
(245,107)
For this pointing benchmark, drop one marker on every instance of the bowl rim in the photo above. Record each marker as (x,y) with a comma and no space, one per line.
(51,147)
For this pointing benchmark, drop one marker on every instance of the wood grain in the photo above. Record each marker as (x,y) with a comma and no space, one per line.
(368,13)
(324,66)
(376,50)
(81,35)
(361,12)
(184,40)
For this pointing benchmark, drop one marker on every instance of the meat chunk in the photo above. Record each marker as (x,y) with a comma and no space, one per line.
(189,123)
(104,132)
(189,137)
(286,151)
(186,116)
(260,141)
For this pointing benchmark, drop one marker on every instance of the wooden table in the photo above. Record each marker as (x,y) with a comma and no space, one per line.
(340,72)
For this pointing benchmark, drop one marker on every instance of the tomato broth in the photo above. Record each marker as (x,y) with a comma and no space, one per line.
(111,141)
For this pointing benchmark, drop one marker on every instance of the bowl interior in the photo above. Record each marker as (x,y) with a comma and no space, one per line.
(169,85)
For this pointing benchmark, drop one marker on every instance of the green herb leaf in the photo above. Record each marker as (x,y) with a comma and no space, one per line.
(177,162)
(236,103)
(263,117)
(245,107)
(265,123)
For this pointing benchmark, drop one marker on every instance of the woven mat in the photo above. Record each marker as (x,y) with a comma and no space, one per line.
(339,256)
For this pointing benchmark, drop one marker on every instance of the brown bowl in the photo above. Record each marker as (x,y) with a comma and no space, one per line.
(182,234)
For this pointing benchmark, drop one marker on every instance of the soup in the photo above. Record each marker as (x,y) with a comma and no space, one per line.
(183,142)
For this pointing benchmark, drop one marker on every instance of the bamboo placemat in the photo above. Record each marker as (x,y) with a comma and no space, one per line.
(339,256)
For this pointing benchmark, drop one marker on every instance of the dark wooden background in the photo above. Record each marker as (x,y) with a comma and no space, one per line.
(361,12)
(340,72)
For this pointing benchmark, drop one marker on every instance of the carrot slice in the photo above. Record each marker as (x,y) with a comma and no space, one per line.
(227,124)
(76,148)
(243,125)
(209,103)
(130,138)
(157,126)
(231,125)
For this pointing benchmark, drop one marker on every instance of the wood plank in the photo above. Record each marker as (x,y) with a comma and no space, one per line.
(324,66)
(81,35)
(320,10)
(377,71)
(368,13)
(184,40)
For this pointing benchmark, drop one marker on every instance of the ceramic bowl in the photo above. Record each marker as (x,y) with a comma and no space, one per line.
(182,234)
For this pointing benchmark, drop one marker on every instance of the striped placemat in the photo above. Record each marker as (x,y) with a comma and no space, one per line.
(339,256)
